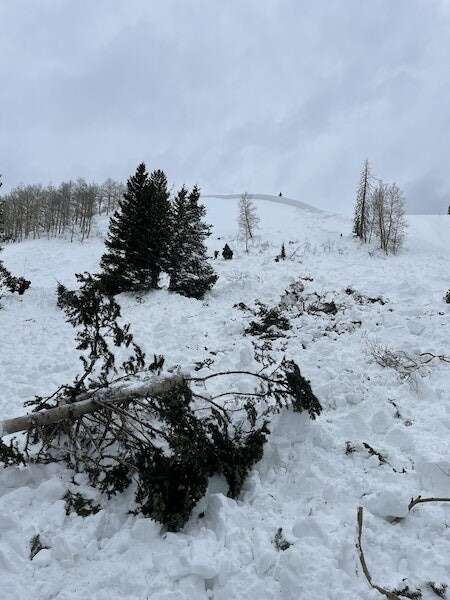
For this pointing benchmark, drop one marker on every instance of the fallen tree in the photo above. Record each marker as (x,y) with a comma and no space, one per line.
(167,433)
(89,402)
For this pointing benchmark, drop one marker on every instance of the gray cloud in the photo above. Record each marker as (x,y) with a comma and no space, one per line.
(263,95)
(429,193)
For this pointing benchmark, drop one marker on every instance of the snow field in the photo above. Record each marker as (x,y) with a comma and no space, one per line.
(306,483)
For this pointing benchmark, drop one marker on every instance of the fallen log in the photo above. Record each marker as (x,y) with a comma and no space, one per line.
(89,402)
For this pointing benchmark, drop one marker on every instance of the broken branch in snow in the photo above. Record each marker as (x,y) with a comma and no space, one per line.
(362,560)
(89,402)
(407,365)
(406,592)
(420,500)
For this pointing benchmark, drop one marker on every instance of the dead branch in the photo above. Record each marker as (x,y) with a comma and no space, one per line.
(384,591)
(420,500)
(405,364)
(362,560)
(90,402)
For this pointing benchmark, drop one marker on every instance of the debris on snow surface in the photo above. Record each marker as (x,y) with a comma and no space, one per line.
(311,479)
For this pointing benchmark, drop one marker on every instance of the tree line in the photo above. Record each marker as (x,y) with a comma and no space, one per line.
(8,281)
(35,211)
(379,212)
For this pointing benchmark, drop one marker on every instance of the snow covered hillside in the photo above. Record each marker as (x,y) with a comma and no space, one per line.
(380,440)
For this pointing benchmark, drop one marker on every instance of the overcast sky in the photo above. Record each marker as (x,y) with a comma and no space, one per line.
(256,95)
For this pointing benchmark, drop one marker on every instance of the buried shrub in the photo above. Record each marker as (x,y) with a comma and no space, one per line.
(280,542)
(447,297)
(269,322)
(83,507)
(36,546)
(11,283)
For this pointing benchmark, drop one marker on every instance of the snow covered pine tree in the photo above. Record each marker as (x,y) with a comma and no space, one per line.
(138,236)
(190,273)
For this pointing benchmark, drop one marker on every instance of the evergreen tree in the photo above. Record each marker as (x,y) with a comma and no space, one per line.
(227,252)
(190,273)
(362,206)
(2,215)
(138,236)
(160,226)
(283,252)
(180,232)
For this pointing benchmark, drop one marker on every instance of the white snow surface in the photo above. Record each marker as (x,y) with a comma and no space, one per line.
(306,483)
(269,198)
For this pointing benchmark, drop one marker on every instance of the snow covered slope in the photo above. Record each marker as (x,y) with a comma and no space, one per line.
(268,198)
(430,233)
(313,475)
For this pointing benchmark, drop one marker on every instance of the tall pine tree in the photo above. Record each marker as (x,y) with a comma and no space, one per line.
(138,236)
(362,206)
(160,232)
(179,250)
(190,272)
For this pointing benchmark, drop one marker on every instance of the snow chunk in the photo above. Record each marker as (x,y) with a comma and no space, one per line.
(43,558)
(246,354)
(389,504)
(202,560)
(145,530)
(399,438)
(415,327)
(381,421)
(308,528)
(434,478)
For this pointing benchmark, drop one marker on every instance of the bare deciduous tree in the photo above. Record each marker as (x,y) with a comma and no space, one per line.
(387,217)
(35,211)
(248,219)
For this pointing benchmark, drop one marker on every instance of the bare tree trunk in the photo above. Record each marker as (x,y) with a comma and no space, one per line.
(89,402)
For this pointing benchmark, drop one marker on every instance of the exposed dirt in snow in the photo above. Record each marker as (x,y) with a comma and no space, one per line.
(310,481)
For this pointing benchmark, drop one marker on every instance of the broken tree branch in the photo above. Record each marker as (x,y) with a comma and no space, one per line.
(420,500)
(89,402)
(362,560)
